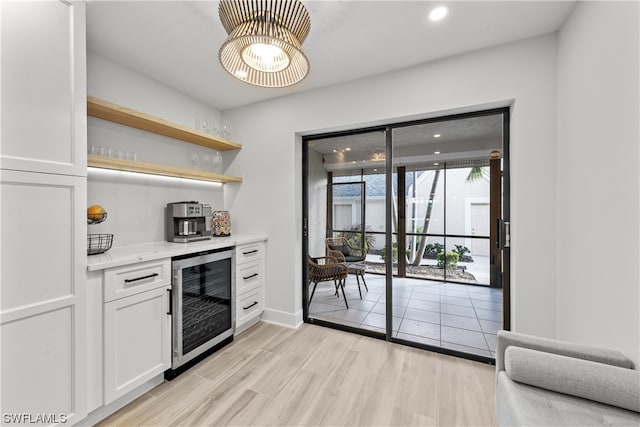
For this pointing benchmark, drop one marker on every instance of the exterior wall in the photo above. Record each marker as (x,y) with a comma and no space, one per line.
(520,74)
(597,240)
(460,196)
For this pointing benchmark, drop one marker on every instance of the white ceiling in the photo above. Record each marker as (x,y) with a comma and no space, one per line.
(468,138)
(177,42)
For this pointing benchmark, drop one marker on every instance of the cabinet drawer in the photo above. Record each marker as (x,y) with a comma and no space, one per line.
(249,305)
(248,253)
(132,279)
(249,276)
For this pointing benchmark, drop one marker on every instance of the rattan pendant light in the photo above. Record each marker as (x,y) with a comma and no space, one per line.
(264,47)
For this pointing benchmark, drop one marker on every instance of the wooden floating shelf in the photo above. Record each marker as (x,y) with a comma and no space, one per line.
(155,169)
(106,110)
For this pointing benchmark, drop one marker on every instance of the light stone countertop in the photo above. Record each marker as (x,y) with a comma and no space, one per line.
(124,255)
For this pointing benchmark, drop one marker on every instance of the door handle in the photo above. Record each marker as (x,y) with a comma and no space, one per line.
(504,234)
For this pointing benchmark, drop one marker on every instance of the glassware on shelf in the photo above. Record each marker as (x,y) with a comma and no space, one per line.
(203,125)
(226,129)
(205,161)
(194,160)
(217,162)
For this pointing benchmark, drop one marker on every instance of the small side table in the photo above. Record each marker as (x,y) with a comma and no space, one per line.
(358,270)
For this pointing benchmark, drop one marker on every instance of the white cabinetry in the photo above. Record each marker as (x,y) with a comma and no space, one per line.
(250,276)
(137,326)
(44,123)
(42,215)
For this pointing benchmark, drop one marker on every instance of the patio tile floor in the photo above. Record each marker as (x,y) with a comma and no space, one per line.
(455,316)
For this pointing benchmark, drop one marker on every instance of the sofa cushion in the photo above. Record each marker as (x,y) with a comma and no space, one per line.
(581,378)
(595,354)
(524,405)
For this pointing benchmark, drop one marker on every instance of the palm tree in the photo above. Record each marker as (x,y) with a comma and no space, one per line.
(477,173)
(422,244)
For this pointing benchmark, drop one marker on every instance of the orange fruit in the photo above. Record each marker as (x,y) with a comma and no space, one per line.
(96,213)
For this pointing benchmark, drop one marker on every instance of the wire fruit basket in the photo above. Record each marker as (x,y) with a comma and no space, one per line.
(98,243)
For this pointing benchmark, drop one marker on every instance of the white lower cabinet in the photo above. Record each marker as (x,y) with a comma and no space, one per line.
(129,329)
(137,341)
(250,280)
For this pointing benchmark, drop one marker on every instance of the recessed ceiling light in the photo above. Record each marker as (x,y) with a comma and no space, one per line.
(354,162)
(436,152)
(438,13)
(347,149)
(437,135)
(436,164)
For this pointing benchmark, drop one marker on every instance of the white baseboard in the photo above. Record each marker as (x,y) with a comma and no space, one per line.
(103,412)
(289,320)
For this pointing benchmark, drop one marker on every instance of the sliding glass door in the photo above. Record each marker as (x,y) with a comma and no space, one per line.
(346,222)
(413,209)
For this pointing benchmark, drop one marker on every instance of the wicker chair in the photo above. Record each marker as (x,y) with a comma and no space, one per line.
(340,249)
(325,269)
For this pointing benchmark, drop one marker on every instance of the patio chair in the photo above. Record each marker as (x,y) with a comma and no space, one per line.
(325,269)
(341,249)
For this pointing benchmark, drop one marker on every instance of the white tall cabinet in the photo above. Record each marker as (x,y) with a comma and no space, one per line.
(42,211)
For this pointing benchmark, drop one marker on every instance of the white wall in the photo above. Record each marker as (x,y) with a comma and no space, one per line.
(270,197)
(121,85)
(598,182)
(317,217)
(135,206)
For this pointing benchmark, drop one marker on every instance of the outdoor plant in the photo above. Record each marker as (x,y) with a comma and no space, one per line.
(394,253)
(354,234)
(462,252)
(448,259)
(432,250)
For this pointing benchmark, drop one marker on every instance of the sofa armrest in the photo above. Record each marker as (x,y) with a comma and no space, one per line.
(595,381)
(594,354)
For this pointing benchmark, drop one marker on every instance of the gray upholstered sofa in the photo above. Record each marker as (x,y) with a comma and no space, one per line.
(543,382)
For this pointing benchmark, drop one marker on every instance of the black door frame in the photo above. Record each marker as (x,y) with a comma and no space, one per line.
(506,215)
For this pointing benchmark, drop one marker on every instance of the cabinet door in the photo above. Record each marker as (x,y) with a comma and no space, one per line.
(137,341)
(43,79)
(42,297)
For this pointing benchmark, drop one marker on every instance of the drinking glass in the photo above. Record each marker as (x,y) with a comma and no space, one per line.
(194,160)
(226,129)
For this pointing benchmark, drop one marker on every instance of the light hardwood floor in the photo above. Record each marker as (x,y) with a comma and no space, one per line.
(315,376)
